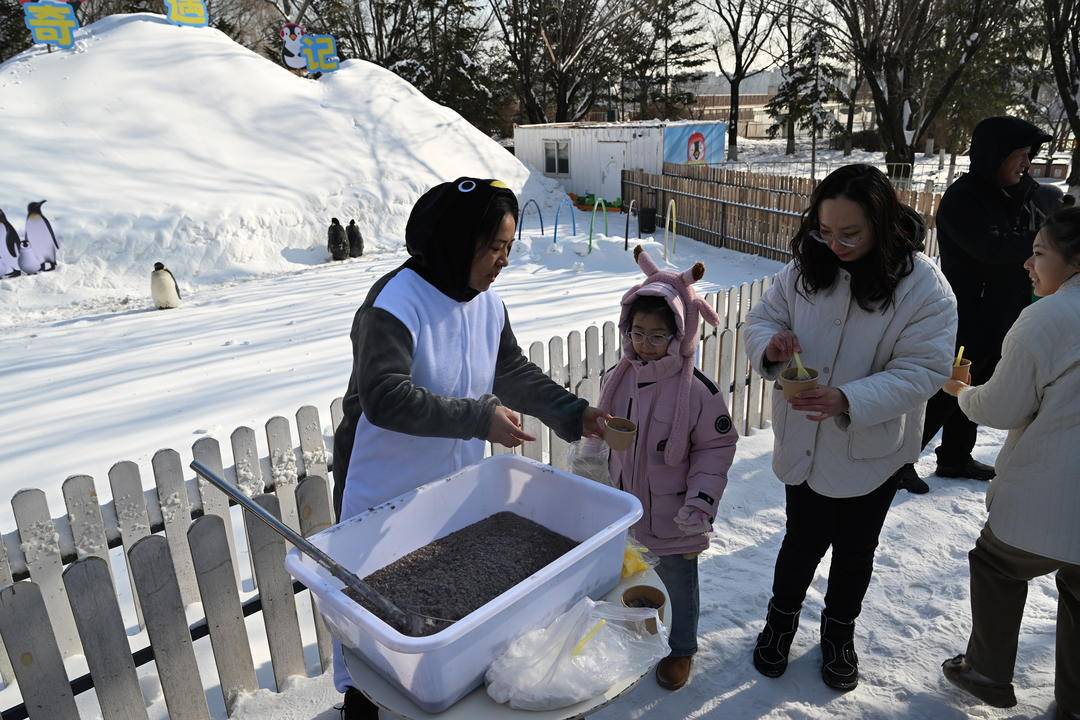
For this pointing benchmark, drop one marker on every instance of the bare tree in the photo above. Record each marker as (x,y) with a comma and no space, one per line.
(743,28)
(518,23)
(1062,20)
(565,50)
(899,44)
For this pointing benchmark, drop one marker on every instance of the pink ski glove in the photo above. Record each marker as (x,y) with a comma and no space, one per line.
(693,521)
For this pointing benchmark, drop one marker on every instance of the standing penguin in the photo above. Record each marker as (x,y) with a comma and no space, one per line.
(39,234)
(9,249)
(163,288)
(356,240)
(336,241)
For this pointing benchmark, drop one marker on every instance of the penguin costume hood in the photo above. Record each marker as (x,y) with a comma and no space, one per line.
(687,306)
(441,233)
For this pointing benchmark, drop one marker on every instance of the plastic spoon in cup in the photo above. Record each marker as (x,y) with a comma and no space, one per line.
(959,357)
(801,373)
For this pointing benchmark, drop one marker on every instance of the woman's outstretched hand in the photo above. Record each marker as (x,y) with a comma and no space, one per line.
(953,387)
(590,422)
(825,402)
(506,428)
(782,347)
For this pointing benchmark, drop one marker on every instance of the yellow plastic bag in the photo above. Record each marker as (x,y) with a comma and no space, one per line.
(637,559)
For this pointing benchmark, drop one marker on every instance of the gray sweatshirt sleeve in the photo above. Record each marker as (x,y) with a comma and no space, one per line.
(523,387)
(389,398)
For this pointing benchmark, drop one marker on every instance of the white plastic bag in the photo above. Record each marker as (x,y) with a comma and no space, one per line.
(579,656)
(588,458)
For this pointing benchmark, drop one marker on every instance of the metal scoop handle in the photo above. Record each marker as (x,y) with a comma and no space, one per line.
(413,621)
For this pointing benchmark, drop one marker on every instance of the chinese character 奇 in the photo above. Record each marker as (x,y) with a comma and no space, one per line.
(51,23)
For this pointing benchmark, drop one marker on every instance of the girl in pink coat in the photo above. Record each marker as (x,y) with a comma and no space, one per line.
(685,440)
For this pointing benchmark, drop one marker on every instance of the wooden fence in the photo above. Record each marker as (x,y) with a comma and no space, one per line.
(754,213)
(180,547)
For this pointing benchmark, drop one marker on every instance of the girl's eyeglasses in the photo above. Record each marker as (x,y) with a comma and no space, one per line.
(654,339)
(848,241)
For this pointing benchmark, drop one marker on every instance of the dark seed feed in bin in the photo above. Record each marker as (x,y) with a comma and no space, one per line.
(449,578)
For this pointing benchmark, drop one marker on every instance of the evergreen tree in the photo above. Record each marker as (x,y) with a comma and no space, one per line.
(14,37)
(813,80)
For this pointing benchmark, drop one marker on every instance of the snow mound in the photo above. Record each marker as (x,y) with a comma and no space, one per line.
(153,142)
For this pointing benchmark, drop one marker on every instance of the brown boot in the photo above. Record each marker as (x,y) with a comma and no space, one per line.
(673,672)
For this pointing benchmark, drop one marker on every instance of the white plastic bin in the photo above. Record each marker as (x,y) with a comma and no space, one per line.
(438,670)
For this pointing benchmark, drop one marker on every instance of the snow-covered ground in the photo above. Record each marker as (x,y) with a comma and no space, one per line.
(152,142)
(158,143)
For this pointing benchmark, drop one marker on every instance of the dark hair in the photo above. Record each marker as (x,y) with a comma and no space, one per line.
(1063,230)
(898,235)
(501,205)
(654,305)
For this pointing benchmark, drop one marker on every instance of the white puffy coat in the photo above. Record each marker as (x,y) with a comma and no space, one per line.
(1035,394)
(887,364)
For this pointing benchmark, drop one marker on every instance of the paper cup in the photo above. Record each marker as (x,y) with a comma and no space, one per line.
(619,433)
(962,372)
(646,596)
(793,386)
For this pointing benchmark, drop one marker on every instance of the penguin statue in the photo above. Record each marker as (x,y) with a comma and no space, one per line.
(356,240)
(337,242)
(163,288)
(39,234)
(29,262)
(9,249)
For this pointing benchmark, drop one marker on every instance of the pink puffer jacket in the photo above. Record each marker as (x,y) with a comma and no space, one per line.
(686,438)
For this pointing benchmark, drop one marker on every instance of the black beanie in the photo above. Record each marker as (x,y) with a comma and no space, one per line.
(441,233)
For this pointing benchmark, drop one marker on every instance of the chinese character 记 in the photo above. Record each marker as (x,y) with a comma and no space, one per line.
(321,53)
(187,12)
(51,23)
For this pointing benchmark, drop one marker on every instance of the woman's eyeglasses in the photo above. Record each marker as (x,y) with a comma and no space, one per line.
(848,241)
(654,339)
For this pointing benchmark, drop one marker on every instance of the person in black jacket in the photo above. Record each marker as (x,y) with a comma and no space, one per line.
(986,224)
(336,241)
(436,367)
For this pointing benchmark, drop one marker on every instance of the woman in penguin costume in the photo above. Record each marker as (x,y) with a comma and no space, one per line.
(40,236)
(9,249)
(436,367)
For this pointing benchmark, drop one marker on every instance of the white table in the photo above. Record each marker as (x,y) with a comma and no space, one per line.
(477,705)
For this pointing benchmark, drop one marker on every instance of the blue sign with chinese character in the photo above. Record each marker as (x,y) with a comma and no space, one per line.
(321,53)
(51,23)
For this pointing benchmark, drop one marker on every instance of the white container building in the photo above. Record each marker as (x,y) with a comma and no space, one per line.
(590,157)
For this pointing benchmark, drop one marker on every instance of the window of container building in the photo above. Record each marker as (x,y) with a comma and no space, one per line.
(557,158)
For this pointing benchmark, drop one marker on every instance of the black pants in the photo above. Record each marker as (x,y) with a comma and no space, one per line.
(957,432)
(851,526)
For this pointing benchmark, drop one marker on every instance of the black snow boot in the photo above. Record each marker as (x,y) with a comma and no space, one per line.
(839,663)
(972,469)
(358,707)
(774,642)
(909,480)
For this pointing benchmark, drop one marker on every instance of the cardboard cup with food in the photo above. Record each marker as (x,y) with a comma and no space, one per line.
(619,433)
(792,385)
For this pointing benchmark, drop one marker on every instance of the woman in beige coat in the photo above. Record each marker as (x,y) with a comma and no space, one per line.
(1034,502)
(877,319)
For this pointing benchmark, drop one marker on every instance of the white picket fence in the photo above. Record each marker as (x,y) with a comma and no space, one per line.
(179,545)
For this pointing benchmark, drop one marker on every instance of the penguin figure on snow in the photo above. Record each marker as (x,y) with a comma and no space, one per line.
(292,46)
(163,288)
(356,240)
(29,262)
(9,249)
(40,236)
